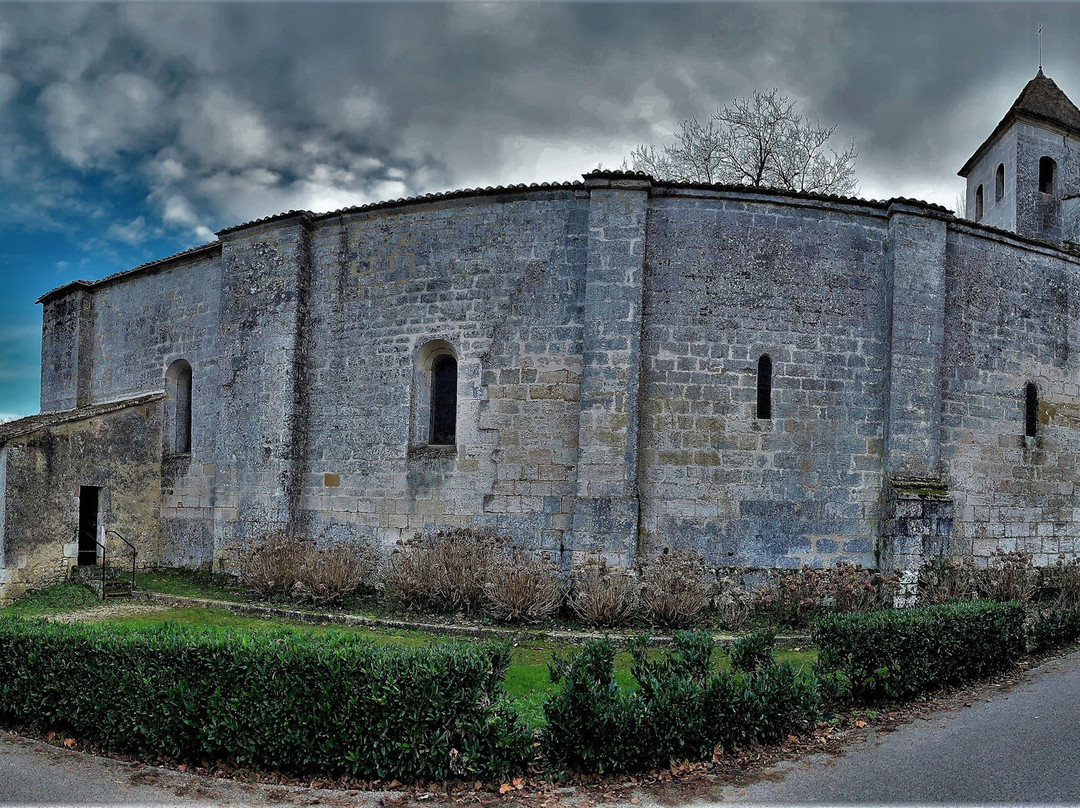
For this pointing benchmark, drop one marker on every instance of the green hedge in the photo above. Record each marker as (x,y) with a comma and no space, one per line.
(682,708)
(896,654)
(1052,629)
(331,703)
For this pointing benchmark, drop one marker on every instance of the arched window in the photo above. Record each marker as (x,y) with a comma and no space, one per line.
(764,387)
(1031,409)
(999,182)
(178,410)
(978,203)
(1046,175)
(443,400)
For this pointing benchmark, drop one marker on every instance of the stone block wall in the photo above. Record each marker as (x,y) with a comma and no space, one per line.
(1012,318)
(116,448)
(607,338)
(730,278)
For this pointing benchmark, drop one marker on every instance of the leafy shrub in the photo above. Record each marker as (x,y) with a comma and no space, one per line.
(851,588)
(674,589)
(444,570)
(795,599)
(271,567)
(331,573)
(947,579)
(753,651)
(1051,629)
(602,595)
(891,655)
(524,588)
(331,703)
(1008,577)
(681,709)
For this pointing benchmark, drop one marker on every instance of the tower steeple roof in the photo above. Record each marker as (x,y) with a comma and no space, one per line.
(1042,101)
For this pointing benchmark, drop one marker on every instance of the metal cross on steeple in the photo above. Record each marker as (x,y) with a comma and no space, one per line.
(1038,35)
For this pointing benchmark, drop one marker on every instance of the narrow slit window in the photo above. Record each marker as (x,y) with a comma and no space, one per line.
(764,387)
(183,410)
(444,400)
(999,182)
(1046,175)
(1031,409)
(978,203)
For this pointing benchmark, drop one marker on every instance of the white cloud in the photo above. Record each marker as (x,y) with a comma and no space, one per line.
(133,233)
(8,87)
(224,131)
(88,123)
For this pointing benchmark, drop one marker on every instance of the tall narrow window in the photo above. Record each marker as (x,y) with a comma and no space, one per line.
(444,400)
(978,203)
(178,410)
(1046,175)
(999,182)
(764,387)
(1031,409)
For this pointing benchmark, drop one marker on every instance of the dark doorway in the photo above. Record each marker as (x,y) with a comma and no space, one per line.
(88,524)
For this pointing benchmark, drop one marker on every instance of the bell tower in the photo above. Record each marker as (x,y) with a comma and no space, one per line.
(1025,177)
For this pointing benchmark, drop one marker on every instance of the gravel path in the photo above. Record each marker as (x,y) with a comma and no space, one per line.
(107,610)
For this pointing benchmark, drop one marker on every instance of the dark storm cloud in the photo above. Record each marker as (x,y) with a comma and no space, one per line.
(219,113)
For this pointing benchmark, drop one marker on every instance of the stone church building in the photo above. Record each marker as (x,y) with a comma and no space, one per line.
(623,364)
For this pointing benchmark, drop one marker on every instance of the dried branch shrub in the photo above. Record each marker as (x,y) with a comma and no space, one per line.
(284,565)
(602,595)
(271,567)
(674,588)
(524,588)
(948,579)
(732,604)
(1008,577)
(331,573)
(795,599)
(445,570)
(851,588)
(1061,583)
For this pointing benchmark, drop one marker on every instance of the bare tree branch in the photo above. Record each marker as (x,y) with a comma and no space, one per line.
(761,140)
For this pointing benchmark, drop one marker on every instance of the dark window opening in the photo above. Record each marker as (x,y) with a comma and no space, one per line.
(1046,175)
(88,525)
(999,182)
(978,204)
(444,400)
(764,387)
(183,410)
(1031,410)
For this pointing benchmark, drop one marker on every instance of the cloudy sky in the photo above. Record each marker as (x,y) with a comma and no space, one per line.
(130,132)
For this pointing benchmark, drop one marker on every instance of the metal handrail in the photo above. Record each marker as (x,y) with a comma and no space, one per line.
(134,552)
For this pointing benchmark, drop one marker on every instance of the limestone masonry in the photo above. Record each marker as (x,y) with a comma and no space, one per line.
(620,364)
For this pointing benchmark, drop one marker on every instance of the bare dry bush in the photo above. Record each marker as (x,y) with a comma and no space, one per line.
(948,579)
(331,573)
(602,595)
(851,588)
(1008,577)
(732,604)
(794,601)
(674,588)
(271,568)
(445,570)
(524,588)
(1061,583)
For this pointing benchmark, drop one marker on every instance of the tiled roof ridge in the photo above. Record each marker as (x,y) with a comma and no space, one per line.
(208,247)
(31,423)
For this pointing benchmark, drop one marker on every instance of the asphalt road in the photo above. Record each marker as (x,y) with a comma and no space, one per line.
(1020,748)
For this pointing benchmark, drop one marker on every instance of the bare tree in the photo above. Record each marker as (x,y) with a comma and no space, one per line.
(761,140)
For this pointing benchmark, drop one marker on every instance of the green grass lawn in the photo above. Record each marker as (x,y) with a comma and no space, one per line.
(527,681)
